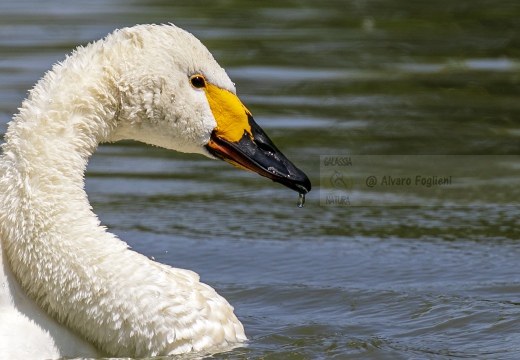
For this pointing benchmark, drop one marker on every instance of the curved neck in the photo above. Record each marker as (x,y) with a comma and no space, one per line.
(68,113)
(48,144)
(50,238)
(46,152)
(80,274)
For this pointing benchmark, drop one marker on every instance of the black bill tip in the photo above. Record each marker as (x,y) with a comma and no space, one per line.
(257,153)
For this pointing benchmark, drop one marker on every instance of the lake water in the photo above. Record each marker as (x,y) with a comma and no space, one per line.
(436,277)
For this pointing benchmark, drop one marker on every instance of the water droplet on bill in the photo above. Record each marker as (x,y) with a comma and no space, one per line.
(301,200)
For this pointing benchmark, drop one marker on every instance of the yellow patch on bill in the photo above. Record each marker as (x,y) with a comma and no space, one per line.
(229,112)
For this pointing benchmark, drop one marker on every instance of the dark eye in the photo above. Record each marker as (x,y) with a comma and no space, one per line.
(198,81)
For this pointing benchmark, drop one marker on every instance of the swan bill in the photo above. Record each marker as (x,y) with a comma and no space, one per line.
(231,115)
(254,151)
(239,140)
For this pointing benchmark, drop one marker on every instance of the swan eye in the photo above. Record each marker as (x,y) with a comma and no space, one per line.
(198,81)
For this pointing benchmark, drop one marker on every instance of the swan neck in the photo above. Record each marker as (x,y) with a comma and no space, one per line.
(50,238)
(77,272)
(68,113)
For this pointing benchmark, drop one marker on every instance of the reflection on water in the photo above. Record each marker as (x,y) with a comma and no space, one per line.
(323,78)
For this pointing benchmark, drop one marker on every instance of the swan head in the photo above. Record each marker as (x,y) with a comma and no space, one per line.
(173,94)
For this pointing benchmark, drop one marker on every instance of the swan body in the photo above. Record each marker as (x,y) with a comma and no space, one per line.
(70,288)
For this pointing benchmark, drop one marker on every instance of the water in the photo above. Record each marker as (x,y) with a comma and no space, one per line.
(301,200)
(322,78)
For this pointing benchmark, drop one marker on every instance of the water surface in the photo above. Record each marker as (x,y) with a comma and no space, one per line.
(323,78)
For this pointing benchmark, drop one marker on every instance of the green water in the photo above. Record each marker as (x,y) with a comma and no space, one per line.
(366,78)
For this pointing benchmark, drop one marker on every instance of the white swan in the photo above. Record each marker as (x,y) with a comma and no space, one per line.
(67,286)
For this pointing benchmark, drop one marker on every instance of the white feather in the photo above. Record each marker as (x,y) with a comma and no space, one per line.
(67,286)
